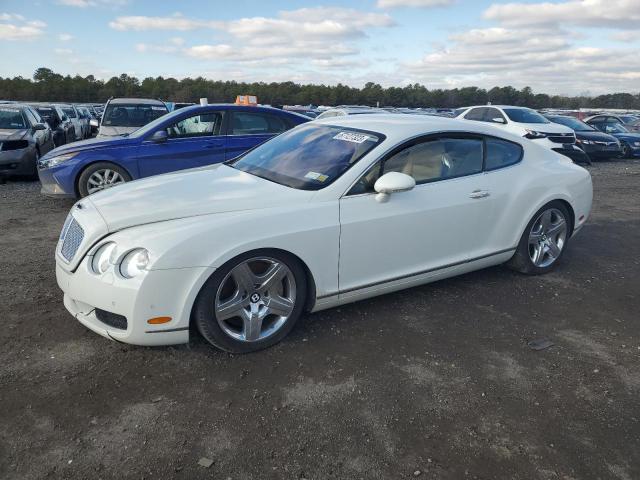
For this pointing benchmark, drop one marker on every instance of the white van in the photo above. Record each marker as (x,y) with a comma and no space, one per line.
(123,116)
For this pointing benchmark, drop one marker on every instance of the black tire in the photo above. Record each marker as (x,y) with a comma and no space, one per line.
(83,179)
(521,260)
(626,150)
(203,313)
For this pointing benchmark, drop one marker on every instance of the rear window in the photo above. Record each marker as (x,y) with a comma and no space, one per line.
(131,115)
(500,153)
(309,157)
(70,112)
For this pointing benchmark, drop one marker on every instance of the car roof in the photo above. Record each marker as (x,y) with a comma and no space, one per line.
(233,106)
(497,106)
(139,101)
(401,126)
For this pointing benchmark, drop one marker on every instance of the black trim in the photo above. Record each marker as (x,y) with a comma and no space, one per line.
(168,330)
(362,287)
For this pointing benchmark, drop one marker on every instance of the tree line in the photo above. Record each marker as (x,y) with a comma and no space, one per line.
(46,85)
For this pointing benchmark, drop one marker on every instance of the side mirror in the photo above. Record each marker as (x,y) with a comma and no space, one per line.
(160,136)
(39,126)
(392,182)
(498,120)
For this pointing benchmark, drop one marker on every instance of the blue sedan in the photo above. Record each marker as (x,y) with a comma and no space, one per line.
(187,138)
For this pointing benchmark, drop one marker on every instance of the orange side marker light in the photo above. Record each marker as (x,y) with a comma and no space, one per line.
(159,320)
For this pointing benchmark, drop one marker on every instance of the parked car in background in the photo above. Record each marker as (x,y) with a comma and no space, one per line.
(186,138)
(73,114)
(85,118)
(24,138)
(179,105)
(528,123)
(328,213)
(63,130)
(123,116)
(629,141)
(596,144)
(630,122)
(349,110)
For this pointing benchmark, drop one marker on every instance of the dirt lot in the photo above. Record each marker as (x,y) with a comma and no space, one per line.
(432,382)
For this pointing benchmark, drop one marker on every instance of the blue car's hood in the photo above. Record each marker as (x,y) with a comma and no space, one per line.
(594,135)
(92,144)
(629,137)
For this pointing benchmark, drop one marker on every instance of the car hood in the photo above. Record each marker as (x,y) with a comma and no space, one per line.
(6,134)
(87,145)
(189,193)
(106,131)
(629,137)
(546,127)
(595,136)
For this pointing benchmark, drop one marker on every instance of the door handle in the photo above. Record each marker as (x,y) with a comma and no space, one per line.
(479,194)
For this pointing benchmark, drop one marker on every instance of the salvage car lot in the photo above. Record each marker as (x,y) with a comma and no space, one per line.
(437,379)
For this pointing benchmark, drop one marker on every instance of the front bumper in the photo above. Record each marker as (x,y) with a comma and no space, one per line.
(601,151)
(18,162)
(56,181)
(574,153)
(157,293)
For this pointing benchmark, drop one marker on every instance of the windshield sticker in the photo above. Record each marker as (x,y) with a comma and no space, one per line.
(316,176)
(158,108)
(352,137)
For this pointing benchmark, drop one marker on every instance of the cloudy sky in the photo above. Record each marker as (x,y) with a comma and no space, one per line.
(561,46)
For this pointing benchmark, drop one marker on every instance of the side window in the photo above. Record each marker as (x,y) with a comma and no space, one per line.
(203,125)
(245,123)
(475,114)
(438,159)
(277,124)
(501,154)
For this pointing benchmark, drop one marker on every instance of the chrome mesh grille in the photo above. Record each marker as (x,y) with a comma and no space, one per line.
(73,236)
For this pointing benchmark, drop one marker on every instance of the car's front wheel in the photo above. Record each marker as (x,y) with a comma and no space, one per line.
(252,302)
(100,176)
(626,150)
(543,241)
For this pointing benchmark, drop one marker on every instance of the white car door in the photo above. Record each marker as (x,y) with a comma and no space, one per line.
(437,224)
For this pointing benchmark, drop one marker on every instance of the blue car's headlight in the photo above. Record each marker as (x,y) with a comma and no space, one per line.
(57,160)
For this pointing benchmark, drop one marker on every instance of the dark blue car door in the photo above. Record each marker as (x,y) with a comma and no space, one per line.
(248,129)
(193,141)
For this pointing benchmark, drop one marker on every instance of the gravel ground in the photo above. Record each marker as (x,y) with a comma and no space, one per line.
(433,382)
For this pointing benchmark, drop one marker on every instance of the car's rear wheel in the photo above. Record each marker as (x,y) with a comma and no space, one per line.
(252,302)
(543,241)
(100,176)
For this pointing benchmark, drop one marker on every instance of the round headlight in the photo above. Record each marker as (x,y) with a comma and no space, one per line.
(134,263)
(103,258)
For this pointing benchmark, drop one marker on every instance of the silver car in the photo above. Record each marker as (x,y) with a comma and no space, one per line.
(123,116)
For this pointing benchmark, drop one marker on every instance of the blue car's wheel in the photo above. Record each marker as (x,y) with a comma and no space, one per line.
(100,176)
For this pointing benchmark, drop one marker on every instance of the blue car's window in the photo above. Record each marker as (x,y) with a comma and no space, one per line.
(201,125)
(309,157)
(125,115)
(12,119)
(246,123)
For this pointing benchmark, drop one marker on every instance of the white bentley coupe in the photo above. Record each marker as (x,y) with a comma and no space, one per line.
(328,213)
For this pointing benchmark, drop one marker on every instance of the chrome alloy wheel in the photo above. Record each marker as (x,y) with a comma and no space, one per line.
(255,299)
(547,237)
(101,179)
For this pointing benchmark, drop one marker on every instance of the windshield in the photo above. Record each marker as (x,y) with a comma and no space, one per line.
(524,115)
(131,115)
(572,123)
(12,119)
(309,157)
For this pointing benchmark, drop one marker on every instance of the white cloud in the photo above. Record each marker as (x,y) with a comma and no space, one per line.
(63,51)
(65,37)
(175,22)
(414,3)
(627,36)
(616,14)
(18,27)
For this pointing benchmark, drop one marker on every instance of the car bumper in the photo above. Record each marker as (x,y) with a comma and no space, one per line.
(54,184)
(574,153)
(157,293)
(598,151)
(18,162)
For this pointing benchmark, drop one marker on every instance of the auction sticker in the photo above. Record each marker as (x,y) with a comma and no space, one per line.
(316,176)
(352,137)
